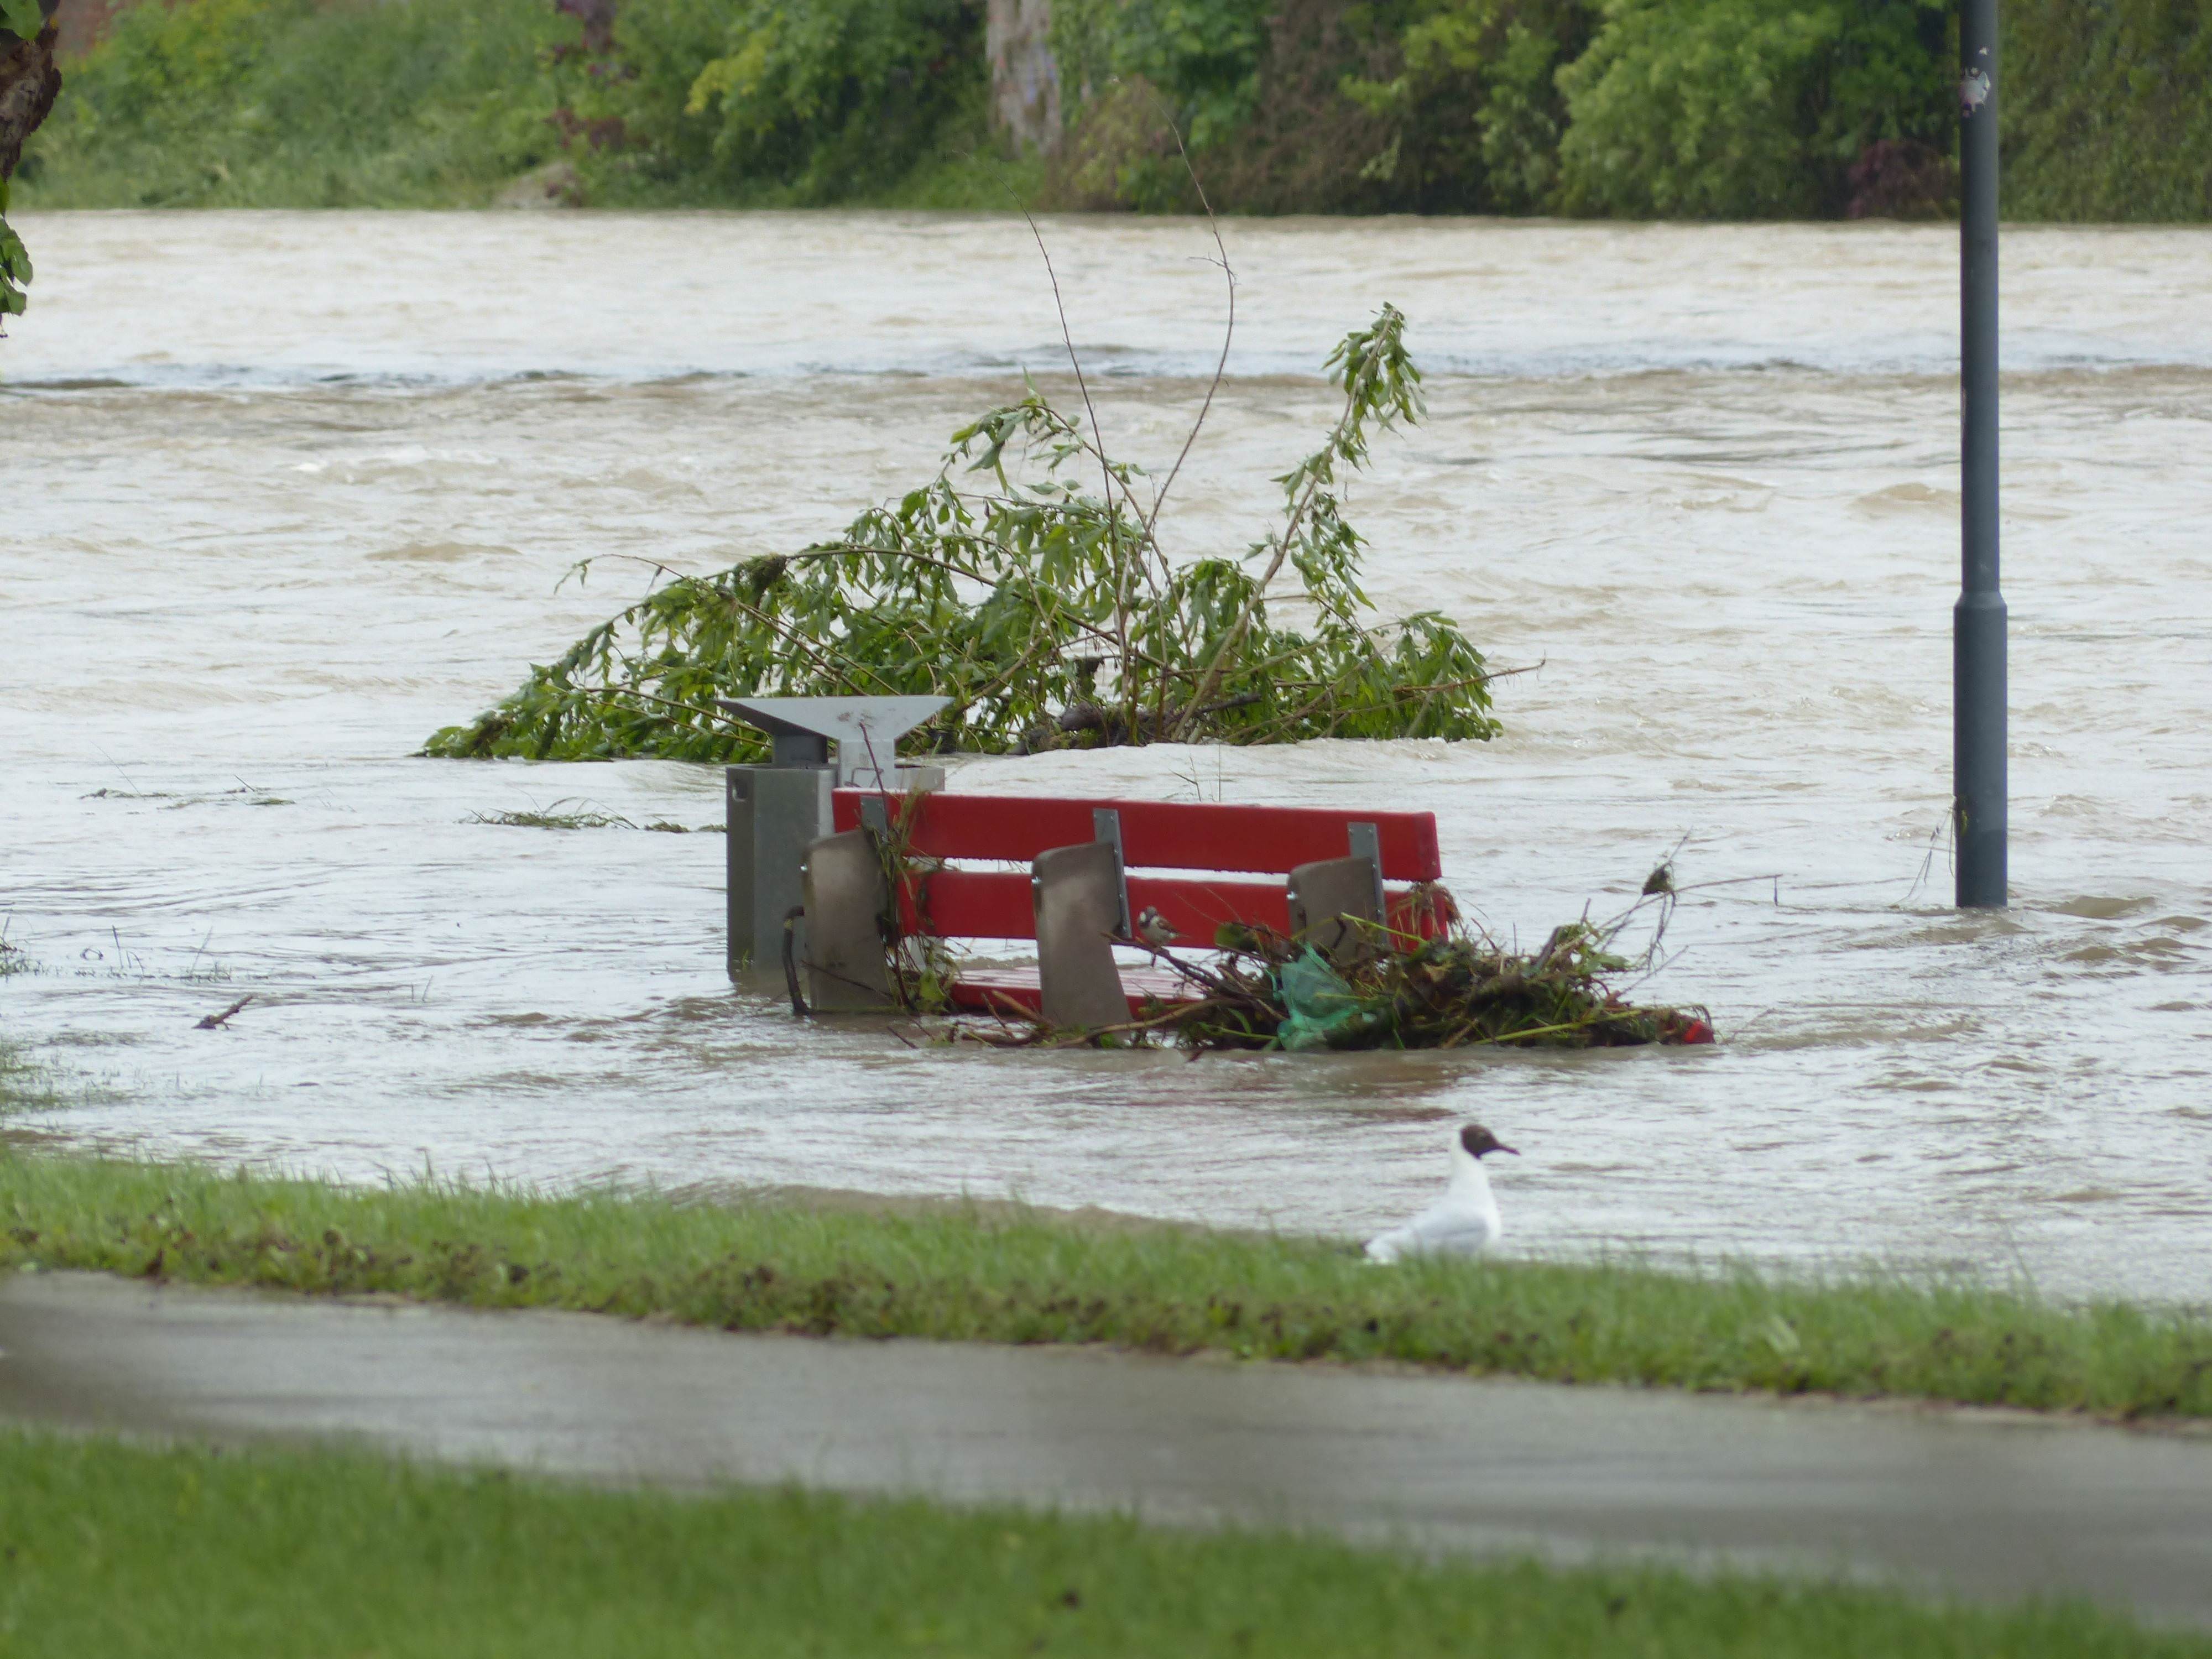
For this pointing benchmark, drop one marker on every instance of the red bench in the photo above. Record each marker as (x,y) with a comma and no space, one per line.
(1098,871)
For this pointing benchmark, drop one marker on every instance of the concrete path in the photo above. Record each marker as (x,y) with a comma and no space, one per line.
(1971,1503)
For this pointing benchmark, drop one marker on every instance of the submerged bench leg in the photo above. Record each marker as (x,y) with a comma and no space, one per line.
(1328,898)
(846,898)
(1078,894)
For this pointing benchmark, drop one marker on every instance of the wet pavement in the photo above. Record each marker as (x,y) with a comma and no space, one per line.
(1978,1504)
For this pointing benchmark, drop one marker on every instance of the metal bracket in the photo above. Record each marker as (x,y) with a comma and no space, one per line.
(1328,895)
(774,813)
(873,816)
(865,730)
(1106,827)
(1075,890)
(1366,843)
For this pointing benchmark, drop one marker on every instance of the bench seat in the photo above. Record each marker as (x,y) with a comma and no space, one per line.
(1019,992)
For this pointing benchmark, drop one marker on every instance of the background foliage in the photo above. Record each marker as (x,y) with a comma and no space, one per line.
(823,100)
(1701,108)
(2121,126)
(1741,109)
(412,103)
(262,102)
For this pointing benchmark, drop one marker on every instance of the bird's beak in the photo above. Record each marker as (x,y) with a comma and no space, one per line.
(1502,1147)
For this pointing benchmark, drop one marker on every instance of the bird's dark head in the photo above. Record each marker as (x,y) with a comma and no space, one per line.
(1479,1140)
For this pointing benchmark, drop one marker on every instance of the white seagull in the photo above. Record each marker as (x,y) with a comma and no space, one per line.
(1466,1222)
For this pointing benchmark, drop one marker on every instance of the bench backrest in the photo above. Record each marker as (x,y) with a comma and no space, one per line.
(1156,835)
(956,903)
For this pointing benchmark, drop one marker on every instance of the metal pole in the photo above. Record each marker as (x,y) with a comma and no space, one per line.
(1977,622)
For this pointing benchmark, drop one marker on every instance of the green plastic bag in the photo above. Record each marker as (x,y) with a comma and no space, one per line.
(1321,1004)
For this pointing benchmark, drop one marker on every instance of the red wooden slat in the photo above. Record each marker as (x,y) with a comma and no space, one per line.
(1196,909)
(972,904)
(996,904)
(1159,835)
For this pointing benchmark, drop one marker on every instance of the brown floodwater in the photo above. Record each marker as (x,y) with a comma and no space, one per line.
(286,491)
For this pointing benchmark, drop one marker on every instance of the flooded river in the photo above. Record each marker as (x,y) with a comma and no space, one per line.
(284,492)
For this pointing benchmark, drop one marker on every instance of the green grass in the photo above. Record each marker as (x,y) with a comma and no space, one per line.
(969,1273)
(118,1550)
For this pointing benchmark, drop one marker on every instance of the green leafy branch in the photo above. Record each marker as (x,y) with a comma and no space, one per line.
(14,259)
(1048,613)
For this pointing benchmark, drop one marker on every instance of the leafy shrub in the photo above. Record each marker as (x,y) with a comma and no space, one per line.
(398,102)
(816,101)
(1309,145)
(1316,106)
(290,102)
(1133,74)
(1201,56)
(1742,109)
(1475,107)
(2107,108)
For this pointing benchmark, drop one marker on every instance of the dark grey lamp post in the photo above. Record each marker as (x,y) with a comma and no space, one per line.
(1977,622)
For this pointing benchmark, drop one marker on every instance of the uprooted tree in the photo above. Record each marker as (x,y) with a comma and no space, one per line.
(1049,611)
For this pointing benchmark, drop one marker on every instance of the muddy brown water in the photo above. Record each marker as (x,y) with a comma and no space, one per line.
(289,491)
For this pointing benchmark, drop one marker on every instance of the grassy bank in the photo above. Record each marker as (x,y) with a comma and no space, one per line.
(1004,1275)
(122,1550)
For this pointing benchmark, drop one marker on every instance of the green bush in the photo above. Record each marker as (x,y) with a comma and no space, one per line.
(405,102)
(1134,72)
(823,101)
(2107,108)
(1288,105)
(290,103)
(1475,105)
(1742,109)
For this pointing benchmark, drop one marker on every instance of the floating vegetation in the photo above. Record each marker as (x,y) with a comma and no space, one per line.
(553,818)
(1050,612)
(586,817)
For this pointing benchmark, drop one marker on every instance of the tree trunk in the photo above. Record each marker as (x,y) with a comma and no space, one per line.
(29,83)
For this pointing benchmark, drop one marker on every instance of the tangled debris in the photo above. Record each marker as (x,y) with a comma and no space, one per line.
(1462,991)
(1396,990)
